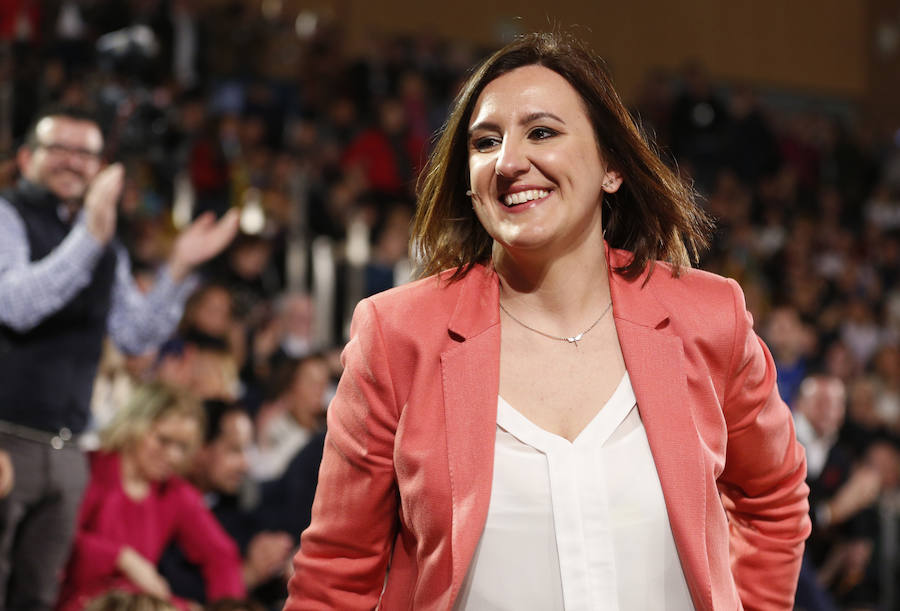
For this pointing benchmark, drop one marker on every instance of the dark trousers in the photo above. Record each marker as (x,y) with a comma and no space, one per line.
(37,521)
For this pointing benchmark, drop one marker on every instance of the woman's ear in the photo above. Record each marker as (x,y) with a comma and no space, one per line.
(612,180)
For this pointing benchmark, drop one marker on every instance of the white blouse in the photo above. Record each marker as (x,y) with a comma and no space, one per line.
(576,525)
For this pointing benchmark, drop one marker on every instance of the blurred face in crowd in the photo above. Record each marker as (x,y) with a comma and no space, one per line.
(211,313)
(66,157)
(863,395)
(297,314)
(392,117)
(787,336)
(887,363)
(206,374)
(165,448)
(393,244)
(308,391)
(222,463)
(885,458)
(213,375)
(249,260)
(839,361)
(822,402)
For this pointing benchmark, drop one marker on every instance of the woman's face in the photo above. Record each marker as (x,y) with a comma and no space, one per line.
(212,313)
(165,448)
(534,163)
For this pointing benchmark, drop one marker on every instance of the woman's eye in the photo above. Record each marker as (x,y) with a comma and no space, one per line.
(541,133)
(486,143)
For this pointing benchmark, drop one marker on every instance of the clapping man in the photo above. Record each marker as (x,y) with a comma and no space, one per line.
(64,284)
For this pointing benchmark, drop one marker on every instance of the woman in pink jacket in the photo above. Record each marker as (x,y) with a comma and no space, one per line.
(136,504)
(561,414)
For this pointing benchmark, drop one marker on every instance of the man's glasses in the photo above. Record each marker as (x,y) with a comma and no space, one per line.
(64,149)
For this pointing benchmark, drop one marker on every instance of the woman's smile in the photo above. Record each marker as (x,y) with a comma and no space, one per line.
(523,198)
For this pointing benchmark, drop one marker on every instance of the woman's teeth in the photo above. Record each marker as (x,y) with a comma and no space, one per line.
(521,197)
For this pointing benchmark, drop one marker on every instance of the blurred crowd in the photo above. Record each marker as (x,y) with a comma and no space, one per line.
(230,106)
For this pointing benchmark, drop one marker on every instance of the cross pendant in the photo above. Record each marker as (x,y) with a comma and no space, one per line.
(575,339)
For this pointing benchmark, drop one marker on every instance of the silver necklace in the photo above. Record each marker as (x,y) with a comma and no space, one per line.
(572,340)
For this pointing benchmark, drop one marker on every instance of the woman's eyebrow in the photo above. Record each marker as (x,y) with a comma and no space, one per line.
(529,118)
(485,125)
(539,115)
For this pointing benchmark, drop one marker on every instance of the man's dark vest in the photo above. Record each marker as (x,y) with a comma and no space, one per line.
(47,373)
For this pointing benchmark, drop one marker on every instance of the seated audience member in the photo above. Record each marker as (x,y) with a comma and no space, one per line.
(199,364)
(218,469)
(136,504)
(389,264)
(249,271)
(209,312)
(286,503)
(287,333)
(791,342)
(288,423)
(830,472)
(864,425)
(388,155)
(841,495)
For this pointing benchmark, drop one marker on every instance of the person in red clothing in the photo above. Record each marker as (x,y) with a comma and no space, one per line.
(388,155)
(136,504)
(20,20)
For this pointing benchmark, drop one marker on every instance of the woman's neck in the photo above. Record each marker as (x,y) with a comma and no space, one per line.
(571,289)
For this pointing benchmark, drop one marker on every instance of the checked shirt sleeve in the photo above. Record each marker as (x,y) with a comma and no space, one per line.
(31,291)
(139,322)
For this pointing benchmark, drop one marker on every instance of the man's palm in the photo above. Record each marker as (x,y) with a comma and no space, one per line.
(203,240)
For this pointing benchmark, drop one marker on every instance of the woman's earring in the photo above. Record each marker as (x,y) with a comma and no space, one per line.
(470,193)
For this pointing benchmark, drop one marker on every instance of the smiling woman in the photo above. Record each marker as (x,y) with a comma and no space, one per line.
(542,421)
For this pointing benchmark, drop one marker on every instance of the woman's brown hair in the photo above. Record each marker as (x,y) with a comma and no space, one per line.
(653,214)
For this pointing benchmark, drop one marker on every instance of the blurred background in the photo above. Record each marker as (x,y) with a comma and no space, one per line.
(314,118)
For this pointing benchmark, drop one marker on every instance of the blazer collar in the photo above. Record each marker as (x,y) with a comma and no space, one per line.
(633,299)
(476,307)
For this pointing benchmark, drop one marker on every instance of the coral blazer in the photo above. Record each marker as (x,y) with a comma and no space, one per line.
(405,481)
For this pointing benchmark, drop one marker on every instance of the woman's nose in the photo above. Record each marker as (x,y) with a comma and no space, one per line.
(175,456)
(512,160)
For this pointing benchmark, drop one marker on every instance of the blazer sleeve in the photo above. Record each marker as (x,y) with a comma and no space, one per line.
(343,556)
(763,484)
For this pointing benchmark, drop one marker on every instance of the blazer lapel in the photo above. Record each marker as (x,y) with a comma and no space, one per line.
(471,378)
(655,363)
